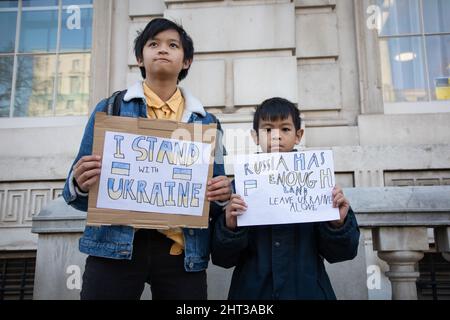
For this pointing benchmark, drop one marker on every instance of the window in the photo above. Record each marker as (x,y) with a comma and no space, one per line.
(17,275)
(416,178)
(414,45)
(45,44)
(434,280)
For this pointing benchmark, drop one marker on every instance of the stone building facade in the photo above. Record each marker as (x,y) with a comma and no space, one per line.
(335,59)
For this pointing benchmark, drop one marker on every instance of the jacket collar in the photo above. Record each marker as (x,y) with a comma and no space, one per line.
(191,105)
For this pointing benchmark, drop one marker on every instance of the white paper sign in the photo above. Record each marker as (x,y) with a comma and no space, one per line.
(283,188)
(153,174)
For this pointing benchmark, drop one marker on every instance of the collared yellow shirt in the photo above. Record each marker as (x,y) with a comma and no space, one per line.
(172,109)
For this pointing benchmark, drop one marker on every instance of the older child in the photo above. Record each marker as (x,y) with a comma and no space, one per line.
(122,259)
(282,261)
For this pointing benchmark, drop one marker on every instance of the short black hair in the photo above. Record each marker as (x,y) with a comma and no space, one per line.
(157,26)
(276,109)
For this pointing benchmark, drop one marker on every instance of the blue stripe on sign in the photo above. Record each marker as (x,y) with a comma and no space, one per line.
(182,171)
(121,165)
(182,174)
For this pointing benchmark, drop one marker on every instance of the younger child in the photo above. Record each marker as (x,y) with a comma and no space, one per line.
(282,261)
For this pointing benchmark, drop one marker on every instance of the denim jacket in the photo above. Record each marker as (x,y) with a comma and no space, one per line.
(116,242)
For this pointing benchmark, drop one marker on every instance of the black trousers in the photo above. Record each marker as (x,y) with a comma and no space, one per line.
(110,279)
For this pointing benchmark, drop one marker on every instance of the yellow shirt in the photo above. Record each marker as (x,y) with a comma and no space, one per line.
(172,109)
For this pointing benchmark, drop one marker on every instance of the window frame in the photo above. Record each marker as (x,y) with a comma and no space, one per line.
(433,105)
(368,49)
(22,121)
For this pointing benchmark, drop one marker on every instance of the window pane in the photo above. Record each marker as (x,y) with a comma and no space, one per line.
(39,3)
(76,33)
(436,15)
(76,2)
(6,73)
(73,84)
(399,17)
(403,70)
(7,31)
(34,86)
(38,31)
(9,4)
(438,51)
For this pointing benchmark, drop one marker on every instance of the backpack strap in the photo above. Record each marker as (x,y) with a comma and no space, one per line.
(114,102)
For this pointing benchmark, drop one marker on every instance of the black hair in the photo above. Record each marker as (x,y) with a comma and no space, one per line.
(276,109)
(157,26)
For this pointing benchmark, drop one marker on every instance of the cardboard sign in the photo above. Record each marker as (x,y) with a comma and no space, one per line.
(154,173)
(283,188)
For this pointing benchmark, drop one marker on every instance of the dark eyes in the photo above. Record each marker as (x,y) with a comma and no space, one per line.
(154,44)
(270,129)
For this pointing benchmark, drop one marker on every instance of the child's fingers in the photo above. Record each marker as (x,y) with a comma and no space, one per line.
(215,179)
(218,192)
(340,201)
(218,183)
(87,166)
(86,186)
(235,196)
(237,213)
(235,207)
(89,174)
(86,159)
(337,198)
(238,201)
(337,190)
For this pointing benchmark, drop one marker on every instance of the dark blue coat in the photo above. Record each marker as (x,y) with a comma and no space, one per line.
(283,261)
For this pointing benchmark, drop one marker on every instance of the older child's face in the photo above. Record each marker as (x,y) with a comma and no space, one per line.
(277,136)
(163,56)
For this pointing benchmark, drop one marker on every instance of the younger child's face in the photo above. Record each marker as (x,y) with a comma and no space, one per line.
(163,56)
(277,136)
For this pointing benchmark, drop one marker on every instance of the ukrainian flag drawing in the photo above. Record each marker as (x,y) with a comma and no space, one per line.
(182,174)
(443,88)
(120,168)
(249,184)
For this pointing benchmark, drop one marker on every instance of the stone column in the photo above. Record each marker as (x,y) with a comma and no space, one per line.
(401,273)
(59,264)
(401,248)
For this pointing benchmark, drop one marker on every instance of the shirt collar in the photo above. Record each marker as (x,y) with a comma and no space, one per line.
(191,103)
(154,101)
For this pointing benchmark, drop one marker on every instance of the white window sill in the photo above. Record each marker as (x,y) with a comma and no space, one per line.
(417,107)
(44,122)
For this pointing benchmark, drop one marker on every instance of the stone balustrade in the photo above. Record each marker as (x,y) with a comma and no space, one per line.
(398,217)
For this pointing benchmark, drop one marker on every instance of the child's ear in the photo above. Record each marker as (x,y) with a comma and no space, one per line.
(255,137)
(140,62)
(187,64)
(299,136)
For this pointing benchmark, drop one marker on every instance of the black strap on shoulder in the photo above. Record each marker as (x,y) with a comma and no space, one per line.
(114,102)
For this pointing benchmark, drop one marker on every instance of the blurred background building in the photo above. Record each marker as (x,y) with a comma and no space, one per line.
(371,78)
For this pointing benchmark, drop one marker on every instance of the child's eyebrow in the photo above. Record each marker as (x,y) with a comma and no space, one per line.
(159,39)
